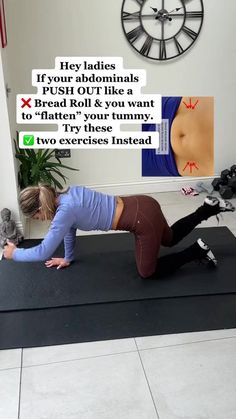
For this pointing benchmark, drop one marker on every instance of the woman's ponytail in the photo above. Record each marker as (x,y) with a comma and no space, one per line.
(47,200)
(35,198)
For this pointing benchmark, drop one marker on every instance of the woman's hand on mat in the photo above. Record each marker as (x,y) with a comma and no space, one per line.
(58,262)
(8,250)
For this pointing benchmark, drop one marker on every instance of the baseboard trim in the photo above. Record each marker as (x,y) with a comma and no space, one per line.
(150,187)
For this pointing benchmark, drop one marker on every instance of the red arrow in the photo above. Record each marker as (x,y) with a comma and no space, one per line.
(190,105)
(190,165)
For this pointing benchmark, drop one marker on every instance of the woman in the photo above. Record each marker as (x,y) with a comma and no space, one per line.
(83,208)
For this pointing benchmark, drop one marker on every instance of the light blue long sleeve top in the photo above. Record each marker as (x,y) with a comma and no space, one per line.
(80,208)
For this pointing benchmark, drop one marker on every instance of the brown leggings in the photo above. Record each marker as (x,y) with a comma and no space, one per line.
(142,215)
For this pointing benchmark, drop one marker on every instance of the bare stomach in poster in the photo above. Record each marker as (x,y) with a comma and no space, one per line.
(192,136)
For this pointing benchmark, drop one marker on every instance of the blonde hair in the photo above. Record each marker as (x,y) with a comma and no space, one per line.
(38,198)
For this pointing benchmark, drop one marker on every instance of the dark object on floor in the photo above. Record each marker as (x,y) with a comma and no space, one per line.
(232,183)
(217,183)
(226,183)
(233,170)
(101,296)
(225,175)
(226,192)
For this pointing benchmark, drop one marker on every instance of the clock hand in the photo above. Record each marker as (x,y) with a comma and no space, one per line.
(175,10)
(158,16)
(163,15)
(154,9)
(178,8)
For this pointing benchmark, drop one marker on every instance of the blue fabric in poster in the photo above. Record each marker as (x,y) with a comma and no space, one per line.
(155,164)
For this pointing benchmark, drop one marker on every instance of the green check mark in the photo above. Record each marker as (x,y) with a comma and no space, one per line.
(28,140)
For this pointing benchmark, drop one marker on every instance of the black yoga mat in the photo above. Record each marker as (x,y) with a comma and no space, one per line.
(88,323)
(105,272)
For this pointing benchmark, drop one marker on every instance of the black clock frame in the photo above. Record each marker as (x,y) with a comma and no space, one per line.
(147,45)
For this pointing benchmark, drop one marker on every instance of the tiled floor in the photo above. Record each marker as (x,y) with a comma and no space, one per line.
(184,376)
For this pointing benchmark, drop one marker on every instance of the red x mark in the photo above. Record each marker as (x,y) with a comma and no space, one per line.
(26,103)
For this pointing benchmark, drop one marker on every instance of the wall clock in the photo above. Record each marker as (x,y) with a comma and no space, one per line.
(162,29)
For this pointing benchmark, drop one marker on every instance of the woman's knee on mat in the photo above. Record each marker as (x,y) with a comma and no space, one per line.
(146,272)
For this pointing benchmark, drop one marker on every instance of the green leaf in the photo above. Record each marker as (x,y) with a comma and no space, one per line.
(22,158)
(34,171)
(25,178)
(39,166)
(59,174)
(19,150)
(45,178)
(32,154)
(60,165)
(47,153)
(56,182)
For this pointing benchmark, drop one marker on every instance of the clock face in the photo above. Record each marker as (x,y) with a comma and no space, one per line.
(162,29)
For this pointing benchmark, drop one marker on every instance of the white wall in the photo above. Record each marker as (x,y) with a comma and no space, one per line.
(40,30)
(8,186)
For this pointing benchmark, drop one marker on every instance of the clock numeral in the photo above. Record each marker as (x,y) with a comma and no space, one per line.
(135,34)
(162,51)
(130,16)
(140,2)
(146,46)
(189,32)
(194,15)
(178,46)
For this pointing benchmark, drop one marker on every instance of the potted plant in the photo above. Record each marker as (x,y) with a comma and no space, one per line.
(39,166)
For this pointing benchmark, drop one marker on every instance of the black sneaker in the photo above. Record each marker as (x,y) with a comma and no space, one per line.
(206,255)
(219,204)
